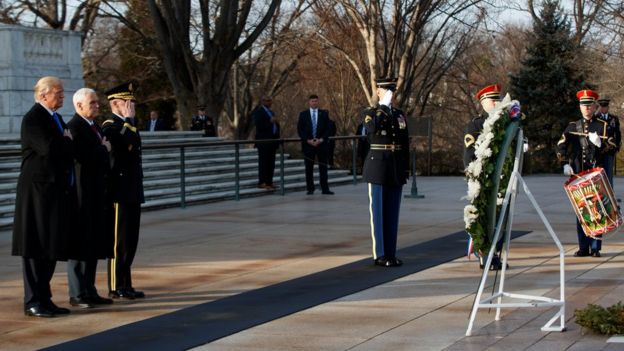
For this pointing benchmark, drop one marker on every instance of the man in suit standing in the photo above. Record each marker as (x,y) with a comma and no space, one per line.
(90,240)
(125,190)
(313,128)
(154,124)
(267,127)
(45,197)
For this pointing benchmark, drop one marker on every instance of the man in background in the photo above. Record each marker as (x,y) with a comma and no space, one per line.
(154,124)
(267,127)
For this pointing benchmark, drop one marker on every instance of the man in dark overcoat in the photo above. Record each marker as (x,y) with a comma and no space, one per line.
(313,128)
(124,190)
(386,170)
(90,240)
(267,127)
(45,197)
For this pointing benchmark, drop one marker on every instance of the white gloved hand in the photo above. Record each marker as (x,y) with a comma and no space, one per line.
(594,138)
(567,170)
(386,99)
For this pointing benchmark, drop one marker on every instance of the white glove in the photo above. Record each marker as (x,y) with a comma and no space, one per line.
(386,99)
(567,170)
(594,138)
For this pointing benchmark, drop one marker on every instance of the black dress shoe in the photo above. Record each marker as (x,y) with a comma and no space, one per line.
(582,253)
(595,253)
(120,294)
(381,261)
(310,192)
(137,294)
(327,192)
(80,302)
(99,300)
(38,311)
(55,309)
(394,262)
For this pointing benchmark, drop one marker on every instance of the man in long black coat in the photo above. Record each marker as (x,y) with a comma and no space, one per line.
(267,127)
(90,241)
(314,129)
(125,190)
(45,197)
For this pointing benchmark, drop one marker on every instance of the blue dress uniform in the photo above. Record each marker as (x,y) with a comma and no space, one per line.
(575,149)
(386,170)
(125,195)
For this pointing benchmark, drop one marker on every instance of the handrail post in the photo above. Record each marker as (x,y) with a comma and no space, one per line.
(182,179)
(354,159)
(282,180)
(237,171)
(414,190)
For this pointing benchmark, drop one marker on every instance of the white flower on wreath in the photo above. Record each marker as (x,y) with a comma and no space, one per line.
(470,215)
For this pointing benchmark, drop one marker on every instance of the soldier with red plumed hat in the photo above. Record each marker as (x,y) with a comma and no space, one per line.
(582,146)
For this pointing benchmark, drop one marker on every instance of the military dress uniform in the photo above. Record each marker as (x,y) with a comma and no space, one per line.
(386,170)
(613,126)
(575,149)
(125,196)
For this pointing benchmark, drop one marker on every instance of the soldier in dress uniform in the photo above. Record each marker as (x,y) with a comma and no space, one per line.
(203,122)
(488,97)
(124,191)
(582,146)
(613,123)
(386,170)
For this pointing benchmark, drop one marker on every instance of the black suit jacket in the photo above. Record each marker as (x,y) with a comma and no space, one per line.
(45,194)
(304,128)
(264,127)
(92,165)
(160,125)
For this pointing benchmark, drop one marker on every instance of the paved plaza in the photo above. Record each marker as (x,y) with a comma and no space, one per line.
(190,260)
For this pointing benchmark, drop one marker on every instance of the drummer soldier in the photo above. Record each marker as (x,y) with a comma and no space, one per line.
(582,147)
(614,129)
(488,97)
(386,170)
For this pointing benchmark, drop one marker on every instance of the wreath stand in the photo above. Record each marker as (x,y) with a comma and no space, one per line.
(534,301)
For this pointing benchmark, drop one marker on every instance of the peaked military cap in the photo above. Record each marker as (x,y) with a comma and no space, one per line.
(123,91)
(587,97)
(604,101)
(387,83)
(490,92)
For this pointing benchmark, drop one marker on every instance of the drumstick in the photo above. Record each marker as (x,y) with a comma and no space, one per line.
(587,134)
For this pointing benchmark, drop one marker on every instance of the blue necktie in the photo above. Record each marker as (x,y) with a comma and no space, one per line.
(314,123)
(58,121)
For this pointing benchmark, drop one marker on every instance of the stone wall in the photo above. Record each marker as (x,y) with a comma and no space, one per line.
(27,54)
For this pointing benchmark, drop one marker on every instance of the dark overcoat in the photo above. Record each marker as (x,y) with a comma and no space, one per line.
(45,193)
(90,240)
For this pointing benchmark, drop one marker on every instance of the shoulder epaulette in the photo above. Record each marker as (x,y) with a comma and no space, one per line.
(108,121)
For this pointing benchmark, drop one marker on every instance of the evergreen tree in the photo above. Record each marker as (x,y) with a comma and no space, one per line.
(546,85)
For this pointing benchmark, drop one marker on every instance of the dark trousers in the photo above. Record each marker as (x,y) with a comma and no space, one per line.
(266,164)
(585,242)
(81,278)
(385,202)
(37,274)
(127,219)
(310,154)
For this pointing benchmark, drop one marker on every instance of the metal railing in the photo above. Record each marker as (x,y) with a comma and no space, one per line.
(184,146)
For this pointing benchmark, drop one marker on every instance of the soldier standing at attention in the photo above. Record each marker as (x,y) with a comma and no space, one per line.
(582,146)
(386,170)
(488,98)
(613,123)
(125,190)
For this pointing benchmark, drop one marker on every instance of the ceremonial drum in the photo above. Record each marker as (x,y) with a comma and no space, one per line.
(594,203)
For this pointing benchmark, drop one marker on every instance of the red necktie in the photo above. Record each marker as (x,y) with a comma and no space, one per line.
(94,128)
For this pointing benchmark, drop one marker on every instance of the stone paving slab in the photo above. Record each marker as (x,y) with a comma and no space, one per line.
(203,253)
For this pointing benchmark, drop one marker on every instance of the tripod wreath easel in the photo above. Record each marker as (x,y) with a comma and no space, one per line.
(505,218)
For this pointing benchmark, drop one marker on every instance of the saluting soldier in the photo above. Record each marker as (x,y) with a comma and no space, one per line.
(125,189)
(581,147)
(613,123)
(488,97)
(386,170)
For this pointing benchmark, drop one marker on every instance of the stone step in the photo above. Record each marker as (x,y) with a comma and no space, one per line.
(150,174)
